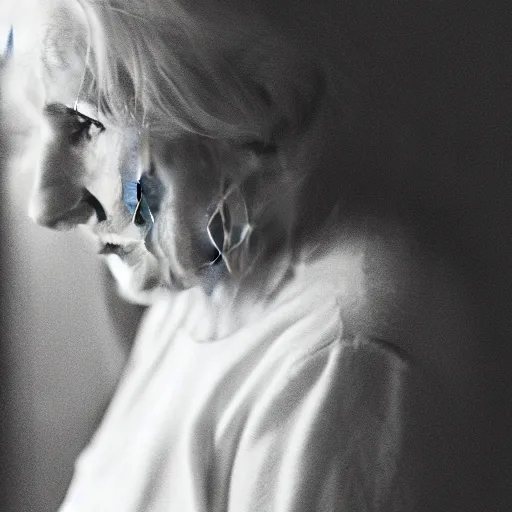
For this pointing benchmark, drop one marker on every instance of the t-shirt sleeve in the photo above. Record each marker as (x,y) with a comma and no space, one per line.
(328,437)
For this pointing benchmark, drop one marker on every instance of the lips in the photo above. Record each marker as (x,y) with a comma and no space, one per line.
(128,250)
(109,248)
(136,270)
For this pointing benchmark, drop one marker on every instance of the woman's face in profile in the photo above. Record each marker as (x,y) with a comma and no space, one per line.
(87,161)
(214,202)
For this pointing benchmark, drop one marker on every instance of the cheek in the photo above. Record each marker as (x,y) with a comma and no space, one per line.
(192,187)
(104,178)
(58,183)
(178,237)
(181,233)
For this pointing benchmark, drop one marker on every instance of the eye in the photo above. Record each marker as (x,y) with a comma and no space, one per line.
(85,126)
(72,123)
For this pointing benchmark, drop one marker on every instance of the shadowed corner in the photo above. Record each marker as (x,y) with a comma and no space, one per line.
(36,420)
(7,464)
(9,48)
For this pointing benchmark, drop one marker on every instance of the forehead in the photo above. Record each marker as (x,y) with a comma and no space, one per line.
(63,54)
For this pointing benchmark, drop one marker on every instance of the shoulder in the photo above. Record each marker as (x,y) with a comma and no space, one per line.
(332,424)
(358,363)
(417,299)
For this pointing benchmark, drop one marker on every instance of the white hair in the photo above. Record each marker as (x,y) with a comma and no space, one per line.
(181,68)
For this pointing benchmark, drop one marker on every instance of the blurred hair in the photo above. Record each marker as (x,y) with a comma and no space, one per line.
(178,68)
(222,73)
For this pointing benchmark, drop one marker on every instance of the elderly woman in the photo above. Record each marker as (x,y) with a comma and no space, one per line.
(307,347)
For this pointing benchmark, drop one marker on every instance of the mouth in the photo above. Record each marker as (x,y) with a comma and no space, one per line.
(138,263)
(115,244)
(109,248)
(136,271)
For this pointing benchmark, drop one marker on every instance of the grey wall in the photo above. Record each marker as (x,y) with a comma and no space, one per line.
(61,354)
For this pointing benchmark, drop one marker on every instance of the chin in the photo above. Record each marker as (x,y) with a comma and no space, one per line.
(144,279)
(138,282)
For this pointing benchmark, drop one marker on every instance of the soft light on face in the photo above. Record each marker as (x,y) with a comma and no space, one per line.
(82,167)
(190,178)
(79,181)
(78,164)
(232,193)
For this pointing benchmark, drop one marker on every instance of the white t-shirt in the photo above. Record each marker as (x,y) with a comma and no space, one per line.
(289,413)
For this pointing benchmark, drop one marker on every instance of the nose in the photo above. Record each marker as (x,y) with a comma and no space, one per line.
(56,208)
(60,199)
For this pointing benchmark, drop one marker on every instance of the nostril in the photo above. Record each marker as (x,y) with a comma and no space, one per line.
(92,200)
(54,208)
